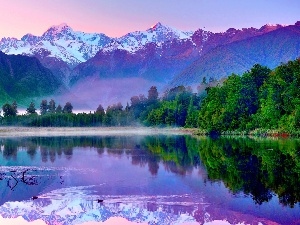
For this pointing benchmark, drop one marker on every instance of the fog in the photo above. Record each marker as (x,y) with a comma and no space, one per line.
(89,93)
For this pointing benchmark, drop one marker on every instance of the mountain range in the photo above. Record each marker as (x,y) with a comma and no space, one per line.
(87,63)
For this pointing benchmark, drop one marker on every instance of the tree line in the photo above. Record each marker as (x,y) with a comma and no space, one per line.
(258,99)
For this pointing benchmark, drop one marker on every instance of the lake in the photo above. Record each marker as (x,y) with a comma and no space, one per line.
(159,179)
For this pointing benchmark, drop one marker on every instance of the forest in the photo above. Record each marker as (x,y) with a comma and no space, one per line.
(259,101)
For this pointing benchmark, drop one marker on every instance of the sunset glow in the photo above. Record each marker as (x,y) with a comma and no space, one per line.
(116,18)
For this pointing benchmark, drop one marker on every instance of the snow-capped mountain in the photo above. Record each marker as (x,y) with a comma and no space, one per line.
(158,34)
(60,42)
(156,56)
(76,205)
(73,47)
(276,44)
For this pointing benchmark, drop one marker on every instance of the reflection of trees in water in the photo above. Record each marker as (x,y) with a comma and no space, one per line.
(68,152)
(173,152)
(31,150)
(10,150)
(49,147)
(142,157)
(256,167)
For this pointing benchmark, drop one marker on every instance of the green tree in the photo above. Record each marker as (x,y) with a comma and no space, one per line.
(15,107)
(68,108)
(43,107)
(100,110)
(51,106)
(58,109)
(31,109)
(152,95)
(9,110)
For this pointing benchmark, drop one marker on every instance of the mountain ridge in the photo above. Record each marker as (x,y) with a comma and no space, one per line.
(160,55)
(275,47)
(59,40)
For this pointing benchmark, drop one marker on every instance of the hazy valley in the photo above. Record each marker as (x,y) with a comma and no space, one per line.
(89,69)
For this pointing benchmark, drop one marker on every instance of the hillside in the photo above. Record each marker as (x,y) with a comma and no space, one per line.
(24,78)
(270,49)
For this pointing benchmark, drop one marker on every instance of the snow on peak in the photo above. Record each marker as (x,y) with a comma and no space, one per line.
(60,41)
(76,205)
(270,27)
(61,27)
(158,33)
(57,30)
(74,47)
(30,38)
(156,26)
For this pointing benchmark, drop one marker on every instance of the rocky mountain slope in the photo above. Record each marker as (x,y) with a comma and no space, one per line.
(24,77)
(271,49)
(159,53)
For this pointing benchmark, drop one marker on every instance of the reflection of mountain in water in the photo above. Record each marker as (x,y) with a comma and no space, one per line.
(258,168)
(78,205)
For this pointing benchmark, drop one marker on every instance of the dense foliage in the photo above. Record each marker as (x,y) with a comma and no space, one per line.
(24,77)
(259,99)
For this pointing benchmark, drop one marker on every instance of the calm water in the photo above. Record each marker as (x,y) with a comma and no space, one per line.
(153,179)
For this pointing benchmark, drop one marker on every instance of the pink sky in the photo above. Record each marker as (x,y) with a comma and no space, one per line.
(118,17)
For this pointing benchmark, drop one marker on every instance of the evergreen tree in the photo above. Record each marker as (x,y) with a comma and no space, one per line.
(58,109)
(68,108)
(31,109)
(9,110)
(15,106)
(51,106)
(43,107)
(100,110)
(152,95)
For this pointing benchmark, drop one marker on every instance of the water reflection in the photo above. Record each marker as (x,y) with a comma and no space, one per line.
(263,170)
(259,168)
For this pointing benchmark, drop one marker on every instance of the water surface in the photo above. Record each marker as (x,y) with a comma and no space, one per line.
(152,179)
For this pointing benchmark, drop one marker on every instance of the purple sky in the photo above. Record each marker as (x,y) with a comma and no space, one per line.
(118,17)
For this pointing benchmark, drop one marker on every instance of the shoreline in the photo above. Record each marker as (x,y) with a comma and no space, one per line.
(18,131)
(90,131)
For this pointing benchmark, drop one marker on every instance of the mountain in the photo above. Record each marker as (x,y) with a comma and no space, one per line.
(157,54)
(59,48)
(25,76)
(208,40)
(161,55)
(151,62)
(60,42)
(157,34)
(280,44)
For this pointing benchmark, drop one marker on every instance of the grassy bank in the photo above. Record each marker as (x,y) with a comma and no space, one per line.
(260,132)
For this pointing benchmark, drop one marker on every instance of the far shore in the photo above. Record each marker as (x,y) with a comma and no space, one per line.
(90,131)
